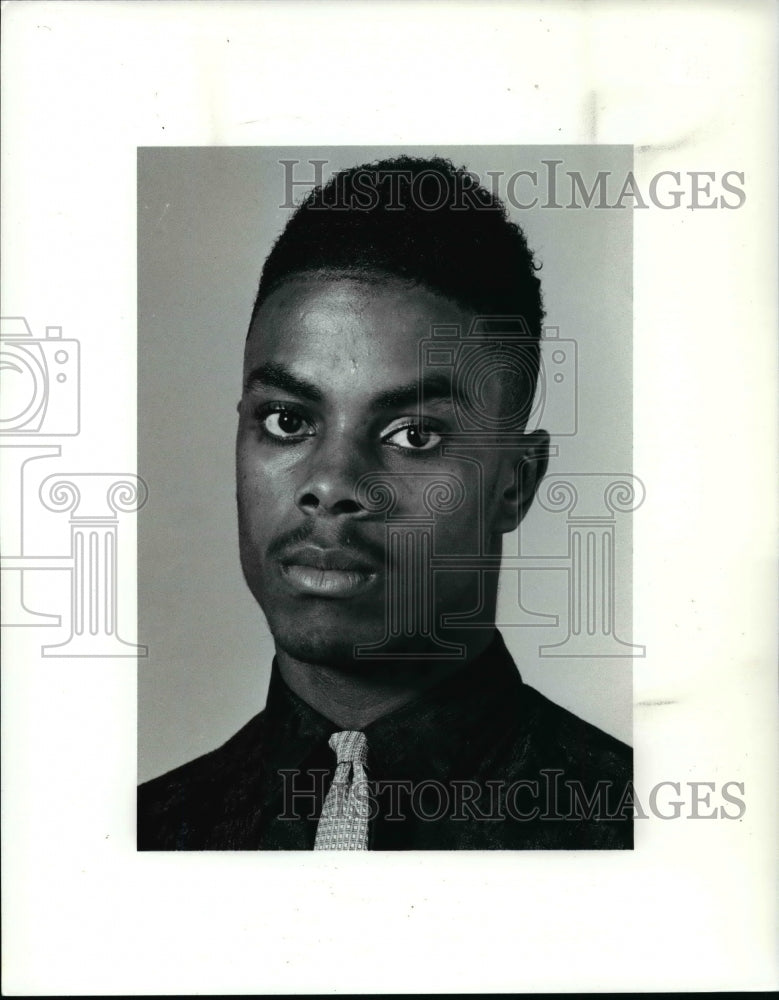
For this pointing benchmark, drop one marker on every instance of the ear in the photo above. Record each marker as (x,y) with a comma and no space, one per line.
(521,475)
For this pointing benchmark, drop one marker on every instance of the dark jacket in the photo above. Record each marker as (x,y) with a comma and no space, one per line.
(480,762)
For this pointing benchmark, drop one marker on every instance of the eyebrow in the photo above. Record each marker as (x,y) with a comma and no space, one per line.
(433,387)
(276,376)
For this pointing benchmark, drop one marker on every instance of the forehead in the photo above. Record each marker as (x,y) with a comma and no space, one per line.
(325,327)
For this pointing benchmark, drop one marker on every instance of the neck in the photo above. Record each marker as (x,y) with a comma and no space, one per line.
(357,695)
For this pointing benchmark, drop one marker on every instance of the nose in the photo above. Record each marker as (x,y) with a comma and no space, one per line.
(329,485)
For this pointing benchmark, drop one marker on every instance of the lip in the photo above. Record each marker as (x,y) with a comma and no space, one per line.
(331,573)
(327,582)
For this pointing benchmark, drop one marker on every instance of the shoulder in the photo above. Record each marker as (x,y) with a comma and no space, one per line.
(567,783)
(564,739)
(177,809)
(534,732)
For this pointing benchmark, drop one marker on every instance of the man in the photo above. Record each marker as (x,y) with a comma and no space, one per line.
(382,453)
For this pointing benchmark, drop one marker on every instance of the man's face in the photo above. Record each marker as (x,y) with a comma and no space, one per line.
(331,376)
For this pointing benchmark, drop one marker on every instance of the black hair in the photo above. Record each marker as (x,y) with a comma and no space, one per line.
(419,219)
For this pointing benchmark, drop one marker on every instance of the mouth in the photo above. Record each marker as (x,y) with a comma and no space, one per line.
(327,572)
(327,582)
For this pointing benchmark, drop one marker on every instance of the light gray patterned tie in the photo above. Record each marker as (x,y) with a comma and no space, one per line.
(343,825)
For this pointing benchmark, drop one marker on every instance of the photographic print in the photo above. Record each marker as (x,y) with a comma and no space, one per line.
(443,424)
(388,428)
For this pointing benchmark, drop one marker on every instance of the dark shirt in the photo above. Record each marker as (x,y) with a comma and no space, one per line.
(482,761)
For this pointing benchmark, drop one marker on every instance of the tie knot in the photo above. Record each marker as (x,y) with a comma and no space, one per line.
(350,747)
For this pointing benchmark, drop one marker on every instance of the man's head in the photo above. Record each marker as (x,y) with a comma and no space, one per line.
(338,402)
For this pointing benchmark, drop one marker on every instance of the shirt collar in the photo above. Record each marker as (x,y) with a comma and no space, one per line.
(445,732)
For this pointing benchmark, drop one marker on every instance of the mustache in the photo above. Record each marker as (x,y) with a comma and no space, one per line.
(309,532)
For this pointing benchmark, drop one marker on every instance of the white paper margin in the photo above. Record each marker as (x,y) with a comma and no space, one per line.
(693,87)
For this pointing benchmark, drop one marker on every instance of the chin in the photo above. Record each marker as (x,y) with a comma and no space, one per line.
(321,646)
(333,643)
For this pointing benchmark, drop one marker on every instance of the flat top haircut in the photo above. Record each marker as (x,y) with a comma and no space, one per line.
(421,220)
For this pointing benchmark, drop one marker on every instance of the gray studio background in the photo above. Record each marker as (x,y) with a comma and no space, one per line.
(206,220)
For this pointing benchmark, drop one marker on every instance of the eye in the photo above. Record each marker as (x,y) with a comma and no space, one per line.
(413,436)
(284,424)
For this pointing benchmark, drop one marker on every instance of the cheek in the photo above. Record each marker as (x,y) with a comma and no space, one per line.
(264,491)
(474,522)
(458,534)
(491,501)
